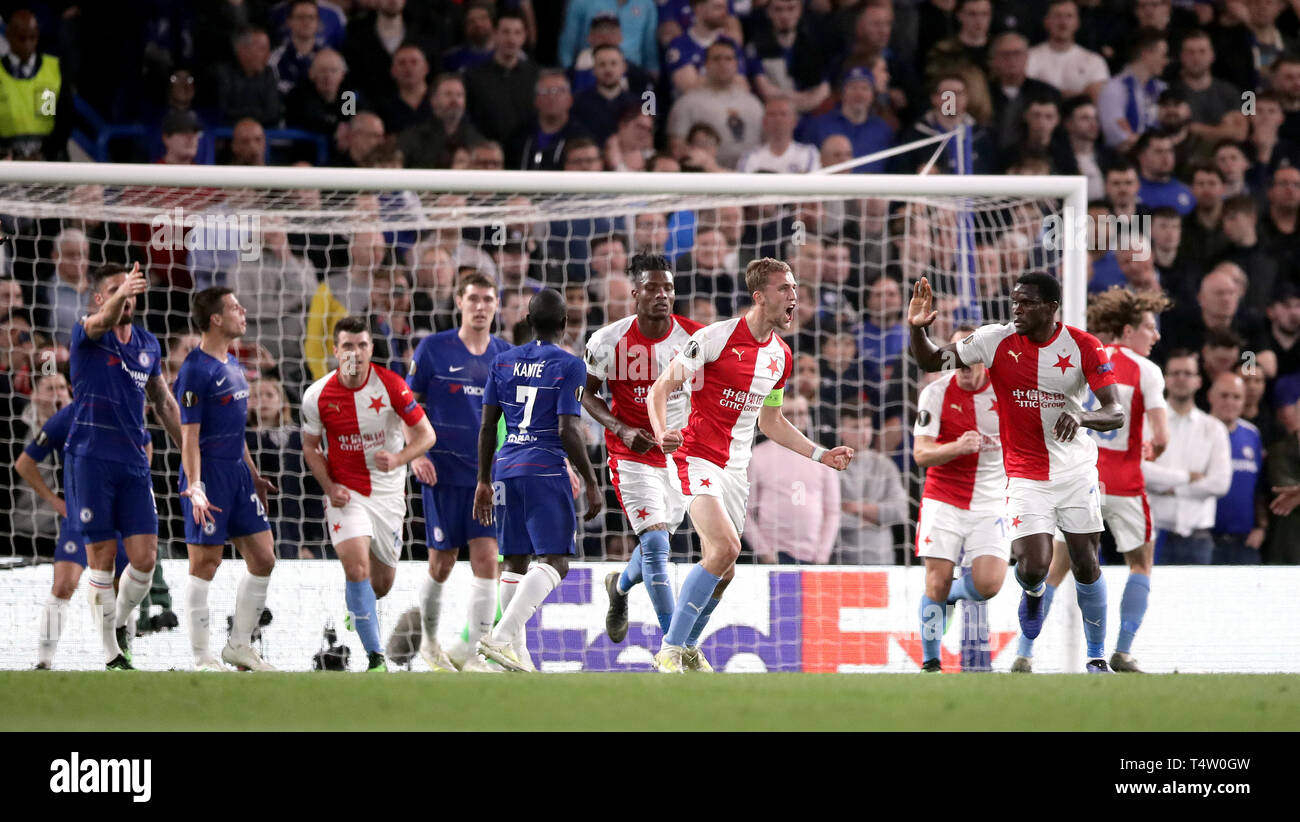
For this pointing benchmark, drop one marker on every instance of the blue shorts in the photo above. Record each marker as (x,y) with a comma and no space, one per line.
(109,499)
(72,548)
(535,515)
(230,487)
(449,517)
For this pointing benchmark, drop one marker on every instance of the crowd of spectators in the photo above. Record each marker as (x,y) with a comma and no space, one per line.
(1186,112)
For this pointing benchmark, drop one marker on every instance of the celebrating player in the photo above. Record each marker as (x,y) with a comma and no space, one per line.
(956,439)
(115,368)
(372,427)
(448,376)
(630,354)
(70,549)
(1041,370)
(1128,318)
(538,387)
(222,495)
(736,367)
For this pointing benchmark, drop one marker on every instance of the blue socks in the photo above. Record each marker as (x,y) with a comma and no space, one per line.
(654,563)
(1092,602)
(1132,607)
(365,617)
(631,572)
(1026,646)
(694,639)
(932,616)
(964,588)
(696,593)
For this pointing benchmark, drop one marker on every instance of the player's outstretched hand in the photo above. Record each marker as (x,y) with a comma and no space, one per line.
(200,508)
(386,460)
(919,313)
(134,284)
(61,506)
(838,457)
(968,443)
(595,501)
(483,503)
(264,488)
(671,441)
(637,439)
(1066,426)
(339,495)
(424,471)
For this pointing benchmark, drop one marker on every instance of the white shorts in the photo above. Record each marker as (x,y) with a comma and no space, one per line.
(701,478)
(943,530)
(1072,504)
(379,518)
(1129,520)
(649,495)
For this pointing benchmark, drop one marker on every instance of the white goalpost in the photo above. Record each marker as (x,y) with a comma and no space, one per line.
(390,243)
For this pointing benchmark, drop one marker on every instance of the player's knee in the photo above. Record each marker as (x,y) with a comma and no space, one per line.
(381,587)
(559,563)
(937,587)
(517,564)
(1031,573)
(261,565)
(1139,560)
(441,564)
(987,585)
(64,588)
(356,570)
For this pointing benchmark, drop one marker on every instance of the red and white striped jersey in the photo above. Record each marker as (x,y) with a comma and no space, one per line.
(630,362)
(1035,384)
(733,375)
(1141,387)
(355,424)
(945,411)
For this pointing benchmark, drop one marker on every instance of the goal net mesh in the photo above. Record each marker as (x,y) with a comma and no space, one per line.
(395,256)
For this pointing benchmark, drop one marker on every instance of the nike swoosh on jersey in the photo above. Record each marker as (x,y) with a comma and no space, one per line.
(220,381)
(453,369)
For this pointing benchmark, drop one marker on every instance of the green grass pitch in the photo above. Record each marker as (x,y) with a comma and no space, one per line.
(77,701)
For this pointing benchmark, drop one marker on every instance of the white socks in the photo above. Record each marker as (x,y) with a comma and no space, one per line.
(103,608)
(482,608)
(250,601)
(537,585)
(52,617)
(196,614)
(430,609)
(131,591)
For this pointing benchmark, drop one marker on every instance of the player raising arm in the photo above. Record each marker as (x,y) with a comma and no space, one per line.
(1127,320)
(222,495)
(629,355)
(370,425)
(1041,370)
(737,369)
(538,387)
(115,368)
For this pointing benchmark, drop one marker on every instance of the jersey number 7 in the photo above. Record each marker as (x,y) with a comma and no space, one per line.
(527,394)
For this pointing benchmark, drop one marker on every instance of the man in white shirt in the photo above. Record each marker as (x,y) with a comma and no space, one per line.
(1185,483)
(1062,62)
(779,153)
